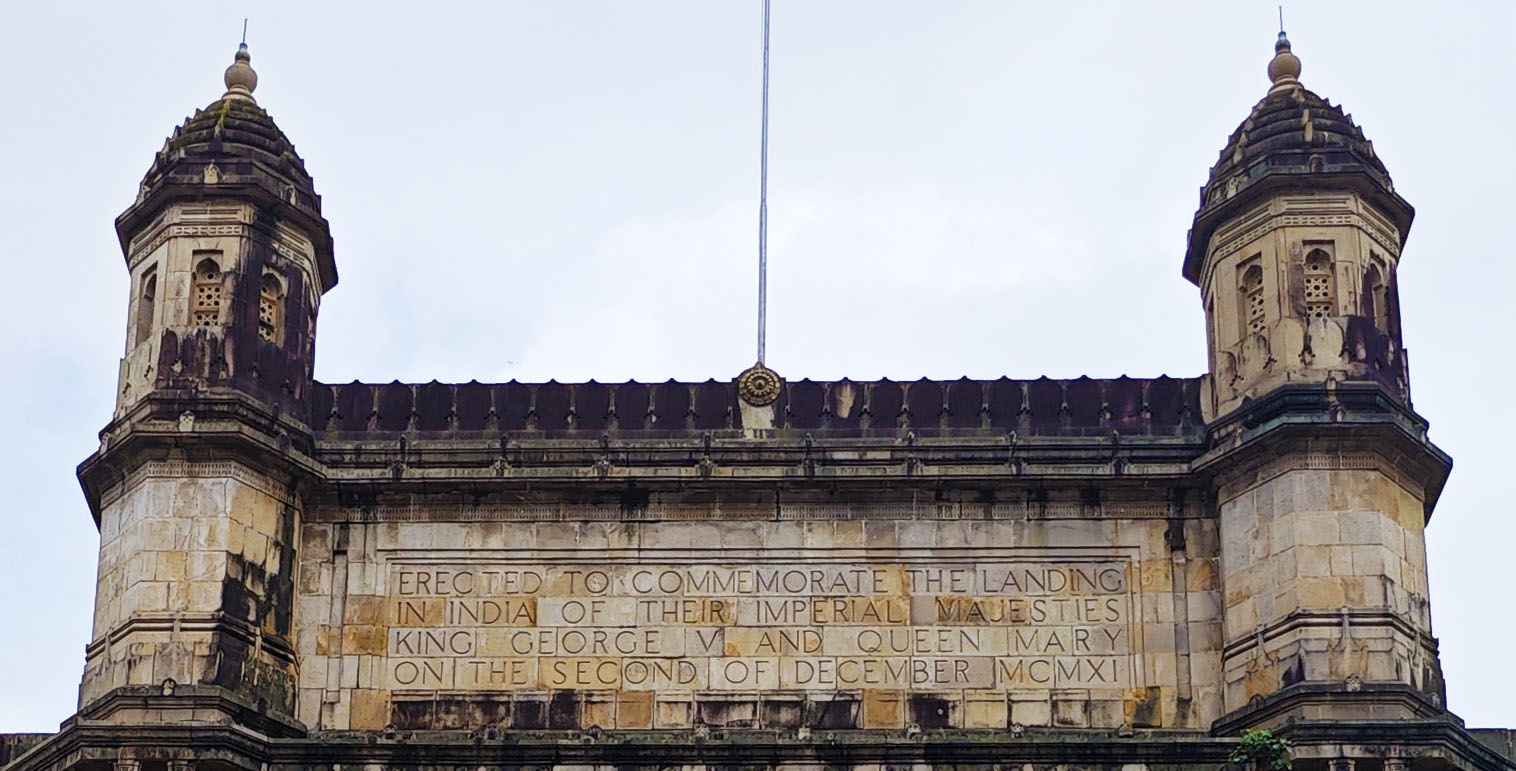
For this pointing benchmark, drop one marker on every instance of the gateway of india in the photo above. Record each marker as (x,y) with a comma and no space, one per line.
(1226,570)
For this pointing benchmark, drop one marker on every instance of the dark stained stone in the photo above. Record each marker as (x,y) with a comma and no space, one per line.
(805,404)
(592,406)
(844,404)
(1166,400)
(323,400)
(473,406)
(713,404)
(1086,404)
(1006,398)
(632,400)
(513,401)
(1124,397)
(1083,406)
(924,404)
(552,407)
(395,404)
(1045,403)
(434,407)
(965,403)
(671,406)
(886,399)
(355,404)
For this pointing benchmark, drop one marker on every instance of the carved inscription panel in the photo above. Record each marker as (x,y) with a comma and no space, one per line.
(996,624)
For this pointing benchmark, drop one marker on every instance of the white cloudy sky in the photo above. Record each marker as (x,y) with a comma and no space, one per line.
(568,189)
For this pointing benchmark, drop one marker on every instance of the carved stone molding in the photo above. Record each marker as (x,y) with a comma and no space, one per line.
(1288,212)
(187,221)
(1250,475)
(171,469)
(443,511)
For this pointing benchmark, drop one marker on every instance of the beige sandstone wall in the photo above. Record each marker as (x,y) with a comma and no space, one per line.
(636,625)
(194,560)
(1324,570)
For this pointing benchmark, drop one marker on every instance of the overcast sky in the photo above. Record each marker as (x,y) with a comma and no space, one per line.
(568,190)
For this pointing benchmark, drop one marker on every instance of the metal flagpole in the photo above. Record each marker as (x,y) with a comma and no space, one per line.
(763,198)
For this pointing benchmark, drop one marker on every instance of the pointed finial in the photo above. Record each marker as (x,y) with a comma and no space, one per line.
(240,77)
(1284,69)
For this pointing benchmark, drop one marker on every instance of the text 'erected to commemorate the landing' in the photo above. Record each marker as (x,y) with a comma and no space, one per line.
(1006,625)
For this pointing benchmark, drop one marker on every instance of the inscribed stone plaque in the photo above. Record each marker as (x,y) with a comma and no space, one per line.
(998,625)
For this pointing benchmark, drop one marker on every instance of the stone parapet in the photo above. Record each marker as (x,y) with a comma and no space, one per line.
(1044,407)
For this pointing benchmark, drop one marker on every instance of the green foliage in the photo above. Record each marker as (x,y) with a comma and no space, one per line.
(226,107)
(1262,749)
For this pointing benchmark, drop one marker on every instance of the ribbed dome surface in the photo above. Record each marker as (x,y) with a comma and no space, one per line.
(1291,141)
(233,153)
(244,144)
(1292,131)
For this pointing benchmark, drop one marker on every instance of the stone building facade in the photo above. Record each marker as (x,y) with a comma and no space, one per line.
(761,572)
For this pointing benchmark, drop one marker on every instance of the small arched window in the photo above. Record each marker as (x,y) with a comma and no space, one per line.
(1250,293)
(270,308)
(206,300)
(1320,293)
(1377,298)
(147,301)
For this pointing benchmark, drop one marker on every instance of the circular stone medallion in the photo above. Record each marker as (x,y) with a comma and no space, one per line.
(758,385)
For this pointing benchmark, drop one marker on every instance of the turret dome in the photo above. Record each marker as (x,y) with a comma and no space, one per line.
(242,143)
(1292,139)
(232,148)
